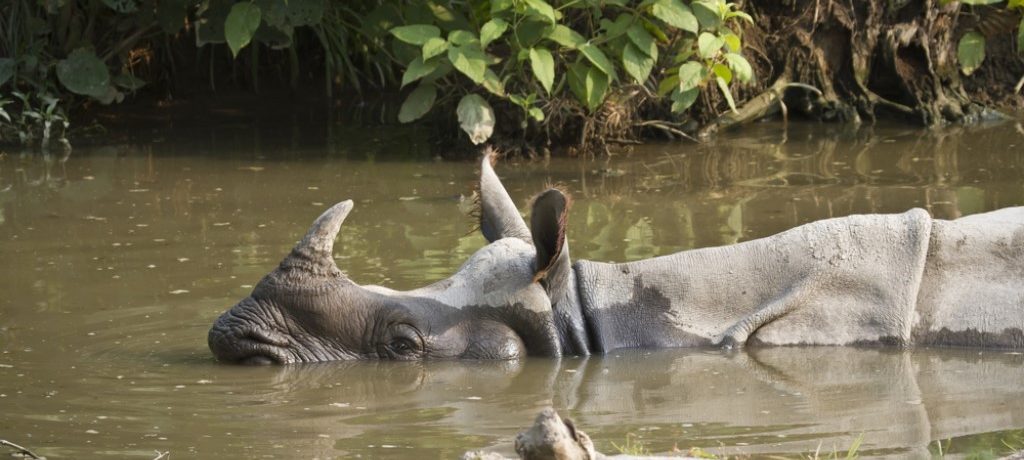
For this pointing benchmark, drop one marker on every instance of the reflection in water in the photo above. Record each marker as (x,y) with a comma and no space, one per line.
(116,261)
(776,400)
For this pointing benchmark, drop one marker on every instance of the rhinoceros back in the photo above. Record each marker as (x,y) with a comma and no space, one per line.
(841,281)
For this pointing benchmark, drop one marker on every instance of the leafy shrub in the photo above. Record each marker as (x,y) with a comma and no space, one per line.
(531,52)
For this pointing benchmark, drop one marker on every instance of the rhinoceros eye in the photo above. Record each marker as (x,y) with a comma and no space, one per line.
(404,342)
(402,346)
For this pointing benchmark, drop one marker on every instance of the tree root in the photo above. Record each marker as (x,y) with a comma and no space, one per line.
(767,103)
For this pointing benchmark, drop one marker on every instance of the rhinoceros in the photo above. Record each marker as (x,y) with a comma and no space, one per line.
(897,280)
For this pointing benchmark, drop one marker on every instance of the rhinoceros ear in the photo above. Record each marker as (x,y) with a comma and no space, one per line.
(548,223)
(499,217)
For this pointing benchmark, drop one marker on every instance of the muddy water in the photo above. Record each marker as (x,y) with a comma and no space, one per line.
(116,260)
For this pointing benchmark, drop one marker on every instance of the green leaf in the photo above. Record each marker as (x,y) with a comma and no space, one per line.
(596,86)
(643,40)
(722,71)
(416,34)
(971,51)
(653,29)
(461,37)
(418,69)
(577,75)
(543,66)
(732,41)
(979,2)
(493,84)
(541,9)
(708,45)
(724,87)
(682,100)
(418,103)
(536,113)
(740,67)
(598,58)
(691,75)
(476,118)
(433,47)
(566,37)
(617,28)
(84,73)
(6,70)
(446,17)
(498,6)
(668,84)
(675,14)
(637,64)
(129,82)
(707,14)
(739,14)
(240,25)
(492,30)
(470,60)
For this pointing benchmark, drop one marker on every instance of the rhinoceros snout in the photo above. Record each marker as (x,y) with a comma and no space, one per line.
(232,342)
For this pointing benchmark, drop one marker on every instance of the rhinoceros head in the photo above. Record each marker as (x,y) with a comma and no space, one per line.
(497,306)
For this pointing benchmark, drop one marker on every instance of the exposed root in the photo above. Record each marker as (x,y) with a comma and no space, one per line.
(767,103)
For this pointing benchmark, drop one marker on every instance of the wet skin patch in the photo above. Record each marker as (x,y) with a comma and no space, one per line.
(644,321)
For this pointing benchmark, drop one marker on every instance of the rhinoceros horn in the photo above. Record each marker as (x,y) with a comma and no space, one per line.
(499,217)
(313,256)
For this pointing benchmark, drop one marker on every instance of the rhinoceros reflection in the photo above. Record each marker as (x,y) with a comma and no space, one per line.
(900,401)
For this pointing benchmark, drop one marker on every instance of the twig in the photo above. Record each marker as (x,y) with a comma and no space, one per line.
(162,455)
(21,450)
(1020,83)
(664,126)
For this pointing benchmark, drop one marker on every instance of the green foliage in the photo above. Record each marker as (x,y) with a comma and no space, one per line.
(533,56)
(531,53)
(970,50)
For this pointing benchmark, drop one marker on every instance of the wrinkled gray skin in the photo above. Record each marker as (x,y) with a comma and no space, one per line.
(899,280)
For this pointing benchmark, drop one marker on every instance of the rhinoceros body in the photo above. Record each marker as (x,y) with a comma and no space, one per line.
(900,280)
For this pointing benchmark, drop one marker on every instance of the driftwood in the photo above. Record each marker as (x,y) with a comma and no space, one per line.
(19,450)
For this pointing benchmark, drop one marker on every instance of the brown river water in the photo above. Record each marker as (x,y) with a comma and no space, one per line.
(115,262)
